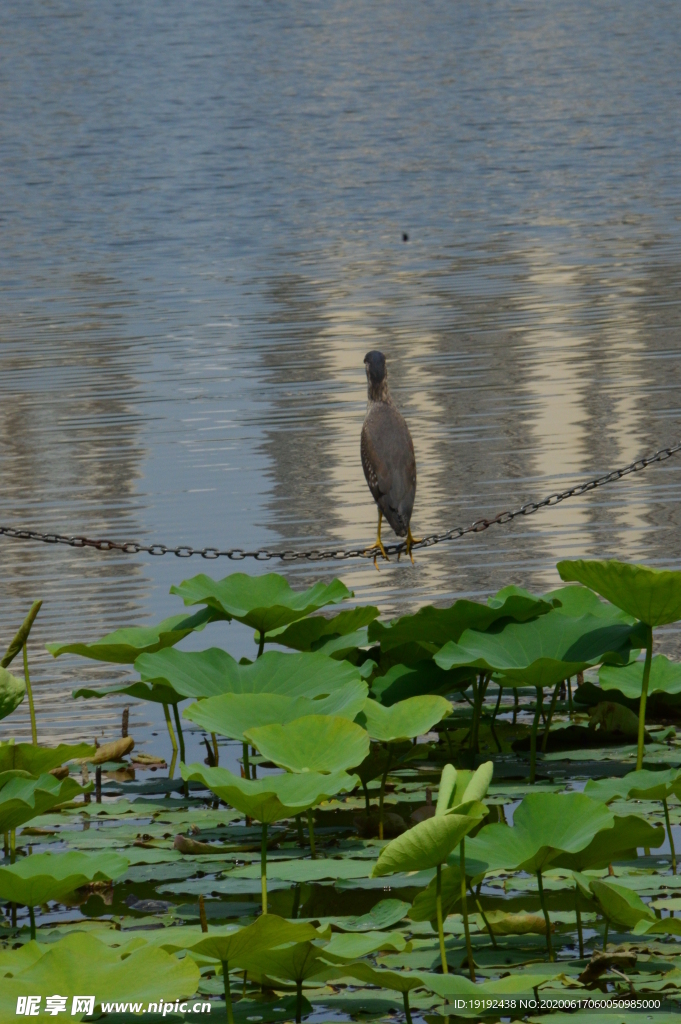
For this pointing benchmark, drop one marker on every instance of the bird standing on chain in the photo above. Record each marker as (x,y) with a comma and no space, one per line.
(387,456)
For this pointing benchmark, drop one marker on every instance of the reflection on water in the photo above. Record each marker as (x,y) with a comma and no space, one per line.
(202,227)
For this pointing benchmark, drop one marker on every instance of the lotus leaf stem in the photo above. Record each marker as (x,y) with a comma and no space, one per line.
(533,734)
(296,901)
(261,643)
(228,994)
(31,705)
(407,1010)
(542,900)
(669,833)
(382,793)
(464,909)
(605,935)
(367,804)
(310,831)
(263,867)
(171,731)
(438,911)
(488,926)
(246,762)
(552,708)
(578,914)
(180,734)
(31,917)
(202,913)
(12,845)
(5,844)
(299,1000)
(516,705)
(216,752)
(479,692)
(569,691)
(299,826)
(494,717)
(644,698)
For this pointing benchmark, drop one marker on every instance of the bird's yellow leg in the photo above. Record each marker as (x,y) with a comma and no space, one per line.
(410,542)
(379,543)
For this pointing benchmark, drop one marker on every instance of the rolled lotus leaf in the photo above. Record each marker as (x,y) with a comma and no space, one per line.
(446,790)
(231,714)
(651,595)
(124,645)
(264,603)
(272,798)
(317,743)
(428,843)
(405,720)
(480,783)
(49,876)
(12,691)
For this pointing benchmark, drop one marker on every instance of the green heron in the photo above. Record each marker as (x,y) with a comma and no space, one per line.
(387,455)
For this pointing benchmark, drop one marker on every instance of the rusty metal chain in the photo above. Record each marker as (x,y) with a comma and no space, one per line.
(131,547)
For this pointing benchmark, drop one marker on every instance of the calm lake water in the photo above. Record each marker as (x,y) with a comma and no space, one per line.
(202,209)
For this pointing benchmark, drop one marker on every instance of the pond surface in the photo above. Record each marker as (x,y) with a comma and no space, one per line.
(202,218)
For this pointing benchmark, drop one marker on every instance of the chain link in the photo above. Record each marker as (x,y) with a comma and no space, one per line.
(132,547)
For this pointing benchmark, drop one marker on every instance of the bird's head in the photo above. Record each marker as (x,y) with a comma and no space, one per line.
(374,362)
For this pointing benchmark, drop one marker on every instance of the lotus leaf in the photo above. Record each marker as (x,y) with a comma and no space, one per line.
(349,946)
(12,692)
(293,963)
(383,915)
(412,717)
(439,625)
(80,963)
(274,797)
(36,760)
(232,713)
(309,870)
(627,834)
(621,906)
(398,981)
(123,646)
(425,677)
(49,876)
(575,600)
(424,907)
(544,826)
(317,743)
(665,677)
(141,691)
(234,945)
(213,672)
(429,843)
(651,595)
(451,986)
(305,634)
(640,785)
(24,798)
(541,652)
(665,926)
(262,602)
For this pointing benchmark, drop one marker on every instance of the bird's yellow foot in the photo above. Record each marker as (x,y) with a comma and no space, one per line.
(384,553)
(410,543)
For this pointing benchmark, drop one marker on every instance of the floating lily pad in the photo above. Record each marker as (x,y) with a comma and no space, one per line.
(49,876)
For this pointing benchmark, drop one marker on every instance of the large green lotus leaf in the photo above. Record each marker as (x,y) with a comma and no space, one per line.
(37,760)
(49,876)
(233,944)
(262,602)
(300,870)
(232,713)
(622,906)
(292,963)
(305,634)
(412,717)
(576,600)
(440,625)
(424,906)
(665,677)
(428,843)
(451,986)
(651,595)
(213,672)
(621,841)
(541,652)
(403,681)
(124,645)
(79,963)
(12,692)
(544,826)
(22,799)
(640,785)
(397,981)
(317,743)
(274,797)
(348,647)
(665,926)
(349,946)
